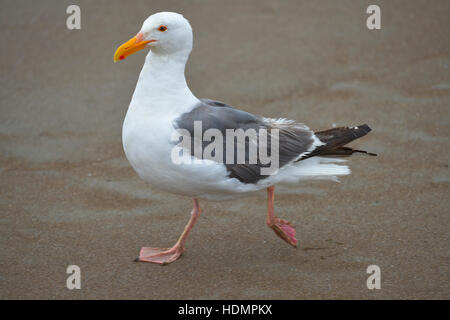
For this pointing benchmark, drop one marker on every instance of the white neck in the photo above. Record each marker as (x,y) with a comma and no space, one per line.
(162,84)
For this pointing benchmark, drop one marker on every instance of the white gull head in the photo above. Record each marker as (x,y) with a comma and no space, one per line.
(168,33)
(165,33)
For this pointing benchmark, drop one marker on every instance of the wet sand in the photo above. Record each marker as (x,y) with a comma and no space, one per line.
(68,195)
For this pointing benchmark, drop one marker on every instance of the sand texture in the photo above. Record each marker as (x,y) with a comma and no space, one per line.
(69,196)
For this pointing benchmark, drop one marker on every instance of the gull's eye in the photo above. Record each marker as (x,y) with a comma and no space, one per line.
(162,28)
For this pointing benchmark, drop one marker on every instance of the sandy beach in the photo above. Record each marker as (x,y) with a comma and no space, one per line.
(68,195)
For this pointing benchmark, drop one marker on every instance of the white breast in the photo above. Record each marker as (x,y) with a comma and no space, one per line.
(146,142)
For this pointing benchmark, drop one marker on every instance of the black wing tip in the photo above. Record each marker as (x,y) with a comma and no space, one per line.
(364,127)
(361,130)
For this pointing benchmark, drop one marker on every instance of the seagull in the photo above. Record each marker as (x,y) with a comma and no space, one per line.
(164,114)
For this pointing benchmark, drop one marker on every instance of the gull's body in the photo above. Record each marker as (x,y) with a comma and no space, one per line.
(162,102)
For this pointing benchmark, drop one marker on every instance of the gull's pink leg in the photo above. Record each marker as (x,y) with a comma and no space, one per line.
(168,255)
(282,228)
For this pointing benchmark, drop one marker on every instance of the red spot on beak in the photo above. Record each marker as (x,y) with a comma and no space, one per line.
(122,57)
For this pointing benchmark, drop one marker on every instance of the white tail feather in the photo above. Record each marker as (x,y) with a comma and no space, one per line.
(315,168)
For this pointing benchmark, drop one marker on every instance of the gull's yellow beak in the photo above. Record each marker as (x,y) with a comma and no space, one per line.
(131,46)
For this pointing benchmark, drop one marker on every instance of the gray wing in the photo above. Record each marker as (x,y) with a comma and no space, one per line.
(294,139)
